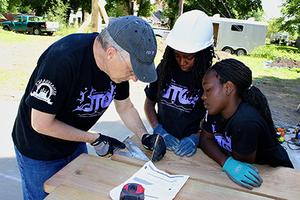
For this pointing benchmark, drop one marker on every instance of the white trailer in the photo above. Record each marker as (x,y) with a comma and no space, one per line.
(238,36)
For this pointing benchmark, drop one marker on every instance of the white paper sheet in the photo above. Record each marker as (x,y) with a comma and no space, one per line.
(157,184)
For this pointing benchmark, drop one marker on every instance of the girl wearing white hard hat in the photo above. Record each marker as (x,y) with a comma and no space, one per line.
(177,91)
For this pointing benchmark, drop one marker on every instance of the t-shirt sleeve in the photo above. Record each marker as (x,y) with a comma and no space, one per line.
(209,124)
(122,91)
(151,89)
(244,137)
(51,84)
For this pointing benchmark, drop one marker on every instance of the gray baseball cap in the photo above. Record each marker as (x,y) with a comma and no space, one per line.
(136,37)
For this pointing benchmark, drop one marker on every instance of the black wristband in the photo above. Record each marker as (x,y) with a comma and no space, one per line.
(97,141)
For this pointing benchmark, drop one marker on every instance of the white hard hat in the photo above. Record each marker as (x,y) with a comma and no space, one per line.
(192,32)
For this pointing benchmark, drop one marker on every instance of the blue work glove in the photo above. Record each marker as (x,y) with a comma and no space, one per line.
(188,145)
(242,173)
(170,141)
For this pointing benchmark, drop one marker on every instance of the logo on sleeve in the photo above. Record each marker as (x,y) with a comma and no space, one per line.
(223,141)
(44,89)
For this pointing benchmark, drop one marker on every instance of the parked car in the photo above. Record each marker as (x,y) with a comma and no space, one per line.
(2,18)
(30,24)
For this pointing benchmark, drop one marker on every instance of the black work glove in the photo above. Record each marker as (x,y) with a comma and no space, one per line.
(105,145)
(156,144)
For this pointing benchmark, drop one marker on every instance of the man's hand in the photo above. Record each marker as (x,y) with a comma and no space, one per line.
(188,145)
(156,144)
(242,173)
(105,145)
(171,142)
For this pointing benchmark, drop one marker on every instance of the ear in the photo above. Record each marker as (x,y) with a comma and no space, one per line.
(229,87)
(110,52)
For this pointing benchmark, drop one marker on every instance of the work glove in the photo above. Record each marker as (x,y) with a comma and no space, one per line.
(242,173)
(171,141)
(105,145)
(188,145)
(156,144)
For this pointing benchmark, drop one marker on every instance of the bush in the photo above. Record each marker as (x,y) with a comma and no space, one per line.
(272,52)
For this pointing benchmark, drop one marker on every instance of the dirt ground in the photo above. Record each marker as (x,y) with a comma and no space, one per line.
(283,95)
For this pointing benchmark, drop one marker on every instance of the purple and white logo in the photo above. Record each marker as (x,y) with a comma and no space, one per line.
(223,141)
(93,103)
(177,96)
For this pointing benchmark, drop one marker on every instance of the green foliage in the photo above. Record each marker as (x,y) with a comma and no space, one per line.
(291,16)
(3,5)
(256,14)
(241,9)
(116,8)
(272,52)
(146,8)
(273,26)
(57,11)
(171,11)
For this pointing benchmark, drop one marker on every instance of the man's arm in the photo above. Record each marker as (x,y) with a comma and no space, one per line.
(130,116)
(47,124)
(209,146)
(149,108)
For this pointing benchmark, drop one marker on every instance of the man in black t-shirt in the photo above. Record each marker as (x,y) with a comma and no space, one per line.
(74,82)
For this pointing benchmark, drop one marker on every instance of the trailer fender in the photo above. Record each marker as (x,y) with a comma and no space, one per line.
(241,52)
(228,49)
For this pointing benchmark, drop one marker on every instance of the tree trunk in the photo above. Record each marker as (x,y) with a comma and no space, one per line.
(180,7)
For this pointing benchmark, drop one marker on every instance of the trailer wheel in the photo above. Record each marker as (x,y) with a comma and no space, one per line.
(228,50)
(36,31)
(241,52)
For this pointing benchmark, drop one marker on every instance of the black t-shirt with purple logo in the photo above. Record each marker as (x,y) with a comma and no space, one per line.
(68,83)
(179,112)
(245,132)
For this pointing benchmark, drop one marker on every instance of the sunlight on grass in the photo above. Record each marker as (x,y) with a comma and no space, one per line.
(259,69)
(12,37)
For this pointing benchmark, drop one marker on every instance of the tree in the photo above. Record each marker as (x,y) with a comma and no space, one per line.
(3,5)
(291,16)
(116,8)
(241,9)
(145,8)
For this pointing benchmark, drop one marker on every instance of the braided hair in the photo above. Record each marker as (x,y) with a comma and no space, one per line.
(203,60)
(241,76)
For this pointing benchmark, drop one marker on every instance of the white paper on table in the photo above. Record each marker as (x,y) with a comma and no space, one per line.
(157,184)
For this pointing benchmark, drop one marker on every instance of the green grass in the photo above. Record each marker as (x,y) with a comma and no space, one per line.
(257,65)
(12,37)
(272,52)
(66,30)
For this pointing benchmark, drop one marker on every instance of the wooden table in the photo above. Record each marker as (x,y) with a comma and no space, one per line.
(92,177)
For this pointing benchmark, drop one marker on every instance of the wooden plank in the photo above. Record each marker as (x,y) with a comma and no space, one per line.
(91,177)
(95,16)
(103,12)
(278,182)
